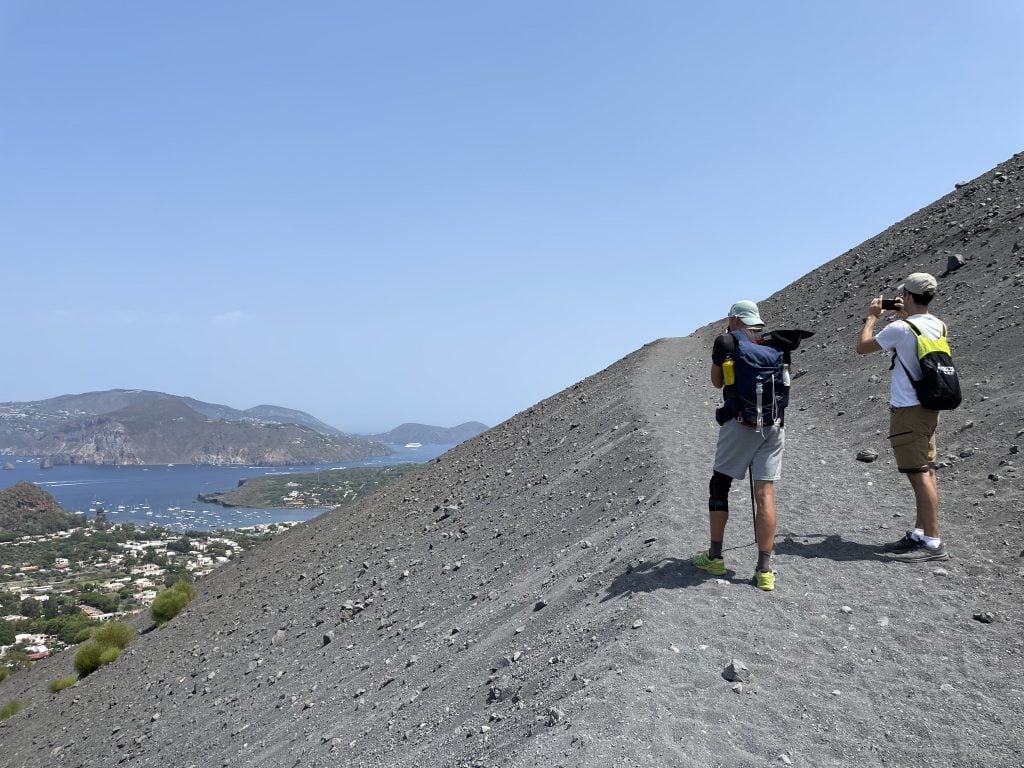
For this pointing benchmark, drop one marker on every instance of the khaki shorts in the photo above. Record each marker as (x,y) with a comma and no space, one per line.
(912,436)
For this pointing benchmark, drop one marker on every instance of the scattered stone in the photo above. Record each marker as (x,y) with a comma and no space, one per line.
(554,716)
(784,759)
(499,689)
(328,638)
(953,263)
(638,623)
(986,617)
(846,609)
(941,572)
(867,455)
(736,672)
(542,603)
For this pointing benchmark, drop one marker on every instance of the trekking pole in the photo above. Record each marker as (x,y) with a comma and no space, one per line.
(753,505)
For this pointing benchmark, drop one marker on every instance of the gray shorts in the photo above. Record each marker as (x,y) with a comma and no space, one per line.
(740,446)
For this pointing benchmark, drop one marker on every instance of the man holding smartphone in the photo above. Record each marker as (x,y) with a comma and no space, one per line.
(912,427)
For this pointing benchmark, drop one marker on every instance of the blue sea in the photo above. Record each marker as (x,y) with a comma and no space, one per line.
(166,495)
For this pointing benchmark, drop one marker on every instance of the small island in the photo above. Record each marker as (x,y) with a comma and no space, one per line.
(327,488)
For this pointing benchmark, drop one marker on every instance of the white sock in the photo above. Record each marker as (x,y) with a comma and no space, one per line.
(932,542)
(918,533)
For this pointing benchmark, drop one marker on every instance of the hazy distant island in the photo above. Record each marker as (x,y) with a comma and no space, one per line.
(132,426)
(427,435)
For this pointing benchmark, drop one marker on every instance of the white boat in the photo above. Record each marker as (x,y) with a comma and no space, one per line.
(414,445)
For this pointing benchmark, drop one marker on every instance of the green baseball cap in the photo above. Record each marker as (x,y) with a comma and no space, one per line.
(746,311)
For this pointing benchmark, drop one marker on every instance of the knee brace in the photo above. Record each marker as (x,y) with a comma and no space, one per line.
(719,490)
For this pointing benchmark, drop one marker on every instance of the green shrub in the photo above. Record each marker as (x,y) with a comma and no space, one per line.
(116,633)
(170,602)
(87,660)
(58,685)
(5,672)
(12,707)
(187,588)
(84,635)
(103,647)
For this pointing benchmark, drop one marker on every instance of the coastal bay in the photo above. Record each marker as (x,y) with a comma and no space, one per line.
(167,495)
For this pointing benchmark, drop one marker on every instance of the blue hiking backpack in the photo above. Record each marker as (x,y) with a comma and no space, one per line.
(758,396)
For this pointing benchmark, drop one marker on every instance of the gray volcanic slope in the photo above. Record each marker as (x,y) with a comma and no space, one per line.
(526,599)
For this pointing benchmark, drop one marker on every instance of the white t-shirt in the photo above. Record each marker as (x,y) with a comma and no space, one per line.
(899,336)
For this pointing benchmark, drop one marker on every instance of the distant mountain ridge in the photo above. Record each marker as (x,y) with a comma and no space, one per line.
(423,433)
(137,426)
(132,426)
(41,414)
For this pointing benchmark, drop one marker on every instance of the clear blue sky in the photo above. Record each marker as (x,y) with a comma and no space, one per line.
(447,211)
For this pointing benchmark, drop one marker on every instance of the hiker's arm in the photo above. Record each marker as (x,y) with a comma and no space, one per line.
(866,343)
(717,377)
(723,348)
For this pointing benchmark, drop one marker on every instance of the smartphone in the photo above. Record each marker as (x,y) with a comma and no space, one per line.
(889,304)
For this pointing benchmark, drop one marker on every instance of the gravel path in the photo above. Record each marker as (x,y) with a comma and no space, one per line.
(855,660)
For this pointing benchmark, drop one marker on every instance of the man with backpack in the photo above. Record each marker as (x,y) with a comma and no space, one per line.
(918,390)
(754,378)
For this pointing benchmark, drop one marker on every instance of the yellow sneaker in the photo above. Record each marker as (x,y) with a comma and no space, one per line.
(764,580)
(713,565)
